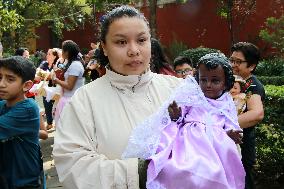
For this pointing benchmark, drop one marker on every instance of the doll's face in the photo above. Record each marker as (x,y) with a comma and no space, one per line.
(236,89)
(212,82)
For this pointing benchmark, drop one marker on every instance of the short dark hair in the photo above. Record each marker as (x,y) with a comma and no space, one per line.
(250,52)
(20,66)
(20,51)
(180,60)
(110,17)
(212,61)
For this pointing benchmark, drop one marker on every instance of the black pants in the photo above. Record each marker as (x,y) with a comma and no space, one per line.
(48,110)
(249,156)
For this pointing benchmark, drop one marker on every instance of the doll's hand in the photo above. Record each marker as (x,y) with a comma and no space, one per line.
(235,135)
(174,111)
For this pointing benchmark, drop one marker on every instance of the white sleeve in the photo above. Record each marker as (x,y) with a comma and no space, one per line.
(78,164)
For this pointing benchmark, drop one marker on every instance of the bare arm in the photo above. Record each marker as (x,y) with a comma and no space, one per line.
(43,134)
(69,84)
(254,114)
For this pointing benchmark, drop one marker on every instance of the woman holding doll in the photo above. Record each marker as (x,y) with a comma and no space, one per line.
(94,128)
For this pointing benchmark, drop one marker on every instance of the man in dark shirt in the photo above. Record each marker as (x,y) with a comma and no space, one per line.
(244,59)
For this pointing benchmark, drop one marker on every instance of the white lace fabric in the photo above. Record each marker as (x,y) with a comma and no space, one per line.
(145,138)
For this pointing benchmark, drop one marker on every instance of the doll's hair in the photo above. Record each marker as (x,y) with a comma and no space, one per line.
(240,80)
(212,61)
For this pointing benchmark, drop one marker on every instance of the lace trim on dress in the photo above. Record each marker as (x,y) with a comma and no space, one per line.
(145,138)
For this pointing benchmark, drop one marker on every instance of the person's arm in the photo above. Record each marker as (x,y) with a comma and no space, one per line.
(79,164)
(43,134)
(254,114)
(69,84)
(17,122)
(74,71)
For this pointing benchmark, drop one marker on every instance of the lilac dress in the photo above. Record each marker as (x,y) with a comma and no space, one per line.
(194,152)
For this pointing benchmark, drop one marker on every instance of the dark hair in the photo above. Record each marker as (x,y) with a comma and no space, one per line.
(73,53)
(20,51)
(180,60)
(110,17)
(250,52)
(54,53)
(20,66)
(158,57)
(212,61)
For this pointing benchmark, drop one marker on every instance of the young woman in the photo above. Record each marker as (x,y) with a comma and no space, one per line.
(73,74)
(51,58)
(94,127)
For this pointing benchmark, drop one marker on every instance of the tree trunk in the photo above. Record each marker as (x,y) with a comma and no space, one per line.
(96,32)
(54,40)
(230,21)
(153,20)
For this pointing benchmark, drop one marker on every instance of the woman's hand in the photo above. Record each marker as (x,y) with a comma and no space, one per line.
(235,135)
(174,111)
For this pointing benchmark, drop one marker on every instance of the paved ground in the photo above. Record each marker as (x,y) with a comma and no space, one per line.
(48,162)
(52,181)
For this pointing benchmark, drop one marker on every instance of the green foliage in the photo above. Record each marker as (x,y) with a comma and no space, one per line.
(274,103)
(270,137)
(196,53)
(271,80)
(58,14)
(9,20)
(35,60)
(271,67)
(236,13)
(270,153)
(274,33)
(176,47)
(102,5)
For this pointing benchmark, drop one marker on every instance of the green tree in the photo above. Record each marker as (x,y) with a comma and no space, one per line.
(103,6)
(274,34)
(29,14)
(236,12)
(9,19)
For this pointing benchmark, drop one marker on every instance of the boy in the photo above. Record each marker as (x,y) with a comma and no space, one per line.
(20,156)
(183,67)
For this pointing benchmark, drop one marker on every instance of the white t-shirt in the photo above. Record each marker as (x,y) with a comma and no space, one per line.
(75,69)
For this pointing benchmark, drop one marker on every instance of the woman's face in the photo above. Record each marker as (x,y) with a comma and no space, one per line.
(127,46)
(26,54)
(50,57)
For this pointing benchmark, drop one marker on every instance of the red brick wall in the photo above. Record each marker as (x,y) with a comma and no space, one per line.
(195,23)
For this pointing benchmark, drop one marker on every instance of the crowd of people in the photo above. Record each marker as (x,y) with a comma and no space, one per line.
(199,115)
